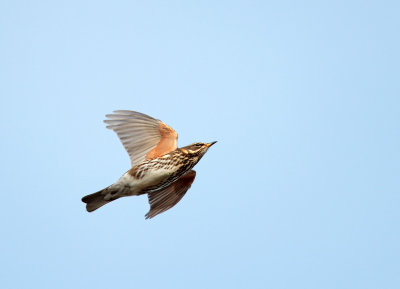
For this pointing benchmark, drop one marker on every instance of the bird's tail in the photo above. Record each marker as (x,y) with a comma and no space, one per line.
(98,199)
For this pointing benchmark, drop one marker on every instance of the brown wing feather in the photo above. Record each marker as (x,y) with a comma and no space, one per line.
(165,199)
(142,136)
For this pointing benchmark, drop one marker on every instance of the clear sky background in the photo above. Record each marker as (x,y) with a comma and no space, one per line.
(301,190)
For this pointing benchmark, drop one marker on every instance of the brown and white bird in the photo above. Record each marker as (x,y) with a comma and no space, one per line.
(159,169)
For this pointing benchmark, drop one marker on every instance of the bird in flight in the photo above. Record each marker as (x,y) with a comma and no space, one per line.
(159,168)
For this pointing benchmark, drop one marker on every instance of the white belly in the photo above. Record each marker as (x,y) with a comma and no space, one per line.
(149,179)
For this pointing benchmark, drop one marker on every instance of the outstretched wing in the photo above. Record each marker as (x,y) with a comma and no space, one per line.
(165,199)
(143,137)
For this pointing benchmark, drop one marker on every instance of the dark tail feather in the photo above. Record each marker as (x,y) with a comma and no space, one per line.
(96,200)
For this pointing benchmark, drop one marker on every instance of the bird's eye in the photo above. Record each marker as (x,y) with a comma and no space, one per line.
(198,145)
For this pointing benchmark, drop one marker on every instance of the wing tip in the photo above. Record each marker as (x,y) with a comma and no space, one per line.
(129,113)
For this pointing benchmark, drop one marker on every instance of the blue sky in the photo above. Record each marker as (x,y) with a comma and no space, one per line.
(301,191)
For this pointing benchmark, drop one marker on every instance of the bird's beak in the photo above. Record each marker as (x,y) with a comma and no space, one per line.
(210,144)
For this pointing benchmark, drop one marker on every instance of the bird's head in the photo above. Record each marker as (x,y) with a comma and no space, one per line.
(197,149)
